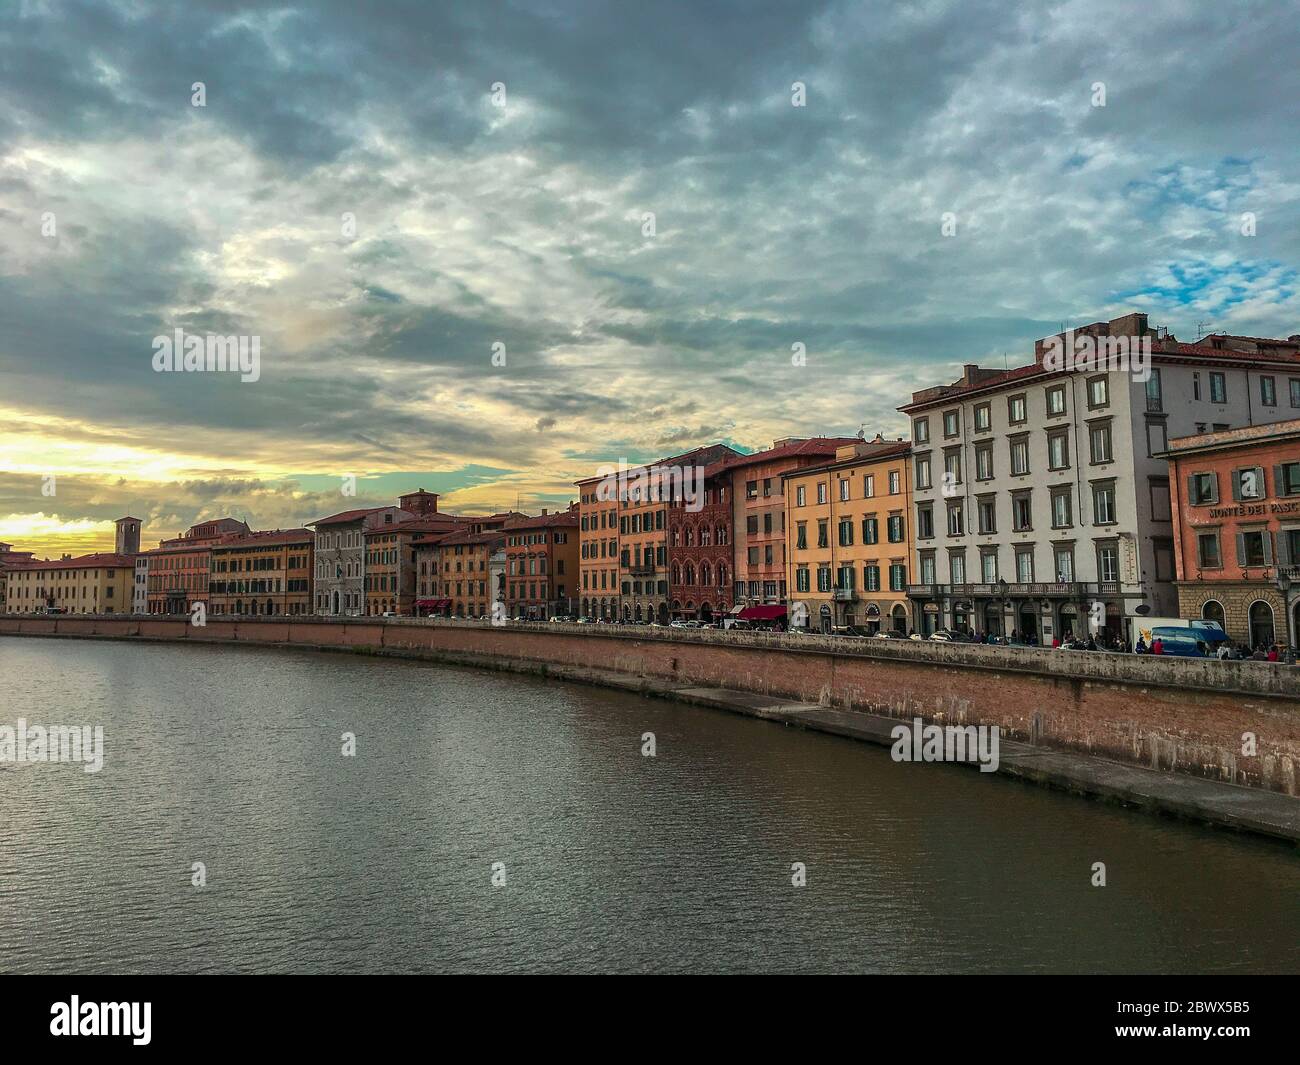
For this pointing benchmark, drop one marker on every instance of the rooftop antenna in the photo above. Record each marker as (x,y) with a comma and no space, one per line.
(1005,367)
(1203,329)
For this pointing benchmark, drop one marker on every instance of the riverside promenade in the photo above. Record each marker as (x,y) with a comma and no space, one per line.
(1217,742)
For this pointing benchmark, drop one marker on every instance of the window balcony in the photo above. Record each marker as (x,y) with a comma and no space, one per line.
(845,595)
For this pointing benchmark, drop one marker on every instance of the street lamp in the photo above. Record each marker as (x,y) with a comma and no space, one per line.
(1282,582)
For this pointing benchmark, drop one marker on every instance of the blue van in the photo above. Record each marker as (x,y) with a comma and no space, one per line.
(1188,642)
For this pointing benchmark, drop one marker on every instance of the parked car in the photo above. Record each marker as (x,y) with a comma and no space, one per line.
(889,634)
(952,636)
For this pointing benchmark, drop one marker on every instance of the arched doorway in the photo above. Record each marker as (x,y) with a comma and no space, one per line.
(663,613)
(993,618)
(1261,624)
(706,613)
(898,616)
(1028,624)
(1212,610)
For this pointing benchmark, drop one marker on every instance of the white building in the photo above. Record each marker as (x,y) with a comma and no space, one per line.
(1041,494)
(140,589)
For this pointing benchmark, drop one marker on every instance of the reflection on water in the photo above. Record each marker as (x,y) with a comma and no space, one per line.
(612,861)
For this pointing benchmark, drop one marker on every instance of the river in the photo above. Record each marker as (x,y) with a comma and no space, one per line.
(605,859)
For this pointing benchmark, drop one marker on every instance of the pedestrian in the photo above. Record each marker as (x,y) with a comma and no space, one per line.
(1157,646)
(1272,653)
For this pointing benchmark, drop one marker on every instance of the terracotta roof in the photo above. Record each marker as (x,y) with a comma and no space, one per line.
(543,521)
(260,539)
(343,517)
(1242,436)
(455,538)
(817,445)
(886,450)
(101,560)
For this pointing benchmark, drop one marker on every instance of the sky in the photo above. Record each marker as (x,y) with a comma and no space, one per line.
(487,248)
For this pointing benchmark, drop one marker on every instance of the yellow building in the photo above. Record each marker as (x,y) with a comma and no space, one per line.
(90,584)
(849,543)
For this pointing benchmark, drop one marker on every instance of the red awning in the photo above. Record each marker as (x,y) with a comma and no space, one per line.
(762,613)
(433,604)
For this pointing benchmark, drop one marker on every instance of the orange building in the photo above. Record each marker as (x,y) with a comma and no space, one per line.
(1236,518)
(262,574)
(453,577)
(849,541)
(180,568)
(598,550)
(542,569)
(758,514)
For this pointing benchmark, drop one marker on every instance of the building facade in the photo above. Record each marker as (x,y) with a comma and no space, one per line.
(140,586)
(542,570)
(598,551)
(262,574)
(700,550)
(10,559)
(453,574)
(759,514)
(848,539)
(89,584)
(1042,496)
(1236,497)
(179,569)
(643,501)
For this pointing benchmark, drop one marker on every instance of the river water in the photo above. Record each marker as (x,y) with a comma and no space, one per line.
(605,859)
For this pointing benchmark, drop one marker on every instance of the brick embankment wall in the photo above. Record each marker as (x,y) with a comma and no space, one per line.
(1183,715)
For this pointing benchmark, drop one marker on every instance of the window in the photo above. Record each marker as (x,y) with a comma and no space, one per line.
(846,580)
(1248,483)
(821,491)
(801,536)
(1022,512)
(1098,392)
(956,526)
(1254,548)
(869,485)
(951,468)
(894,529)
(1207,550)
(928,572)
(1025,565)
(1058,449)
(1108,562)
(897,576)
(951,422)
(921,430)
(846,533)
(823,538)
(957,567)
(1019,457)
(1064,565)
(1286,480)
(924,522)
(1196,386)
(823,578)
(1056,400)
(1062,517)
(1295,391)
(871,578)
(983,417)
(844,490)
(1161,504)
(984,462)
(923,471)
(1103,504)
(1268,391)
(1218,388)
(1016,413)
(1203,488)
(1099,443)
(870,530)
(801,496)
(801,579)
(1157,436)
(986,514)
(989,567)
(894,487)
(1155,398)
